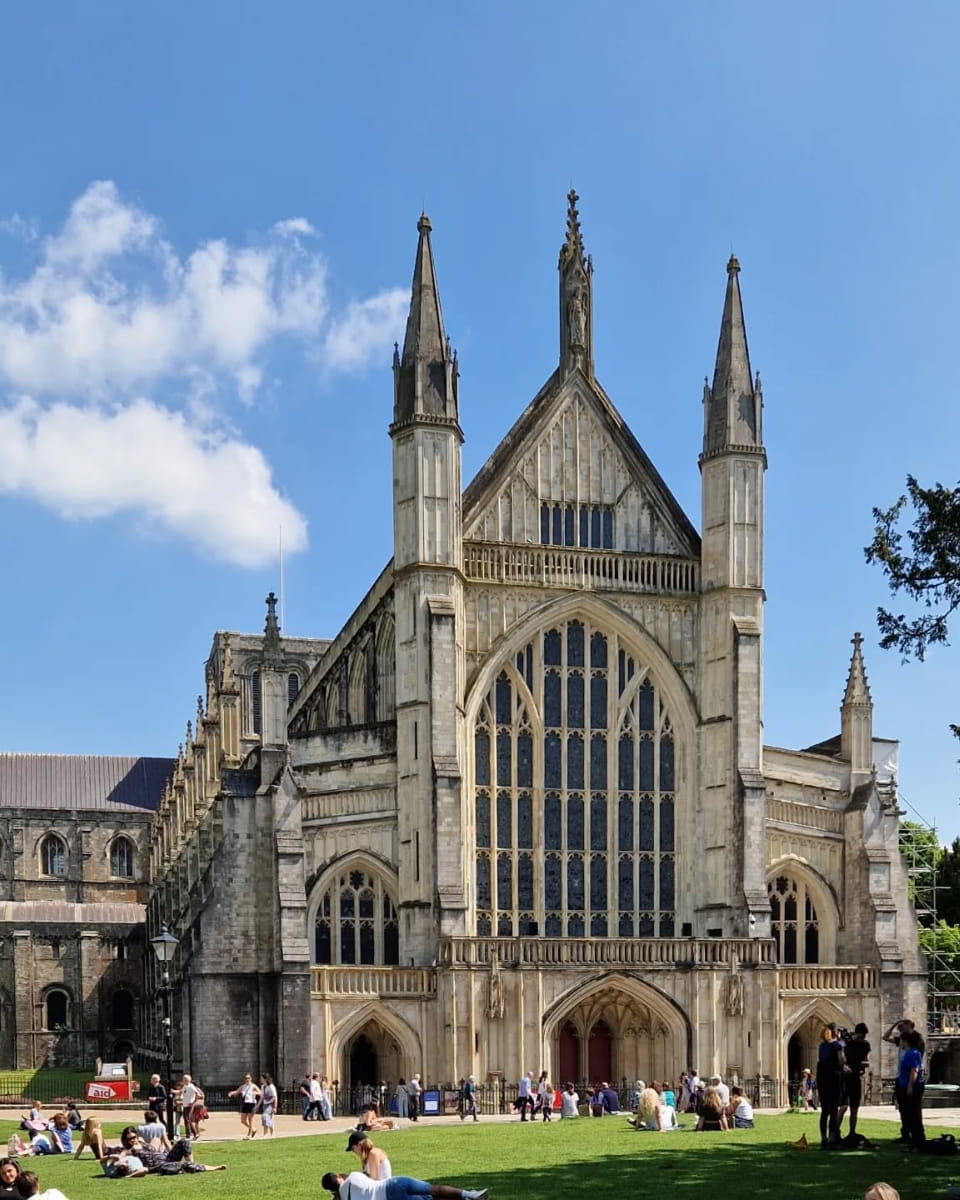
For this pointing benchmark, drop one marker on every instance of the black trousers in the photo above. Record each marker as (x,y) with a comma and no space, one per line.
(911,1116)
(829,1089)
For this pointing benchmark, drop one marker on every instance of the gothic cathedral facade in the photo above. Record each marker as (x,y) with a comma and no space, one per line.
(518,814)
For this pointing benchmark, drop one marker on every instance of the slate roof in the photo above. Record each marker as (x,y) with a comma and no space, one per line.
(59,912)
(70,782)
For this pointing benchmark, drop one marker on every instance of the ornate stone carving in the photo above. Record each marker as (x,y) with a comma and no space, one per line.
(495,1004)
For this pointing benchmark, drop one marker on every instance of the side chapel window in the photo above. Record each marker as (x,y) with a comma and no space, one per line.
(121,858)
(574,775)
(793,920)
(53,856)
(357,923)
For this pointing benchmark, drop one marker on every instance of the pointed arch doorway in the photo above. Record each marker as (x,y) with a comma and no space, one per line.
(614,1029)
(371,1055)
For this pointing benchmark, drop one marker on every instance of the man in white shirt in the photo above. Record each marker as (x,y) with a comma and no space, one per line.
(721,1089)
(357,1186)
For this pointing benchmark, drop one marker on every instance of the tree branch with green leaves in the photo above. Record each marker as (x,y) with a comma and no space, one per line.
(921,563)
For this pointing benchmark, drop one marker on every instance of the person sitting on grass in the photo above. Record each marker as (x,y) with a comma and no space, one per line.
(739,1110)
(375,1162)
(135,1158)
(153,1131)
(712,1117)
(569,1103)
(11,1187)
(357,1186)
(91,1135)
(648,1110)
(371,1121)
(34,1121)
(31,1189)
(57,1139)
(881,1191)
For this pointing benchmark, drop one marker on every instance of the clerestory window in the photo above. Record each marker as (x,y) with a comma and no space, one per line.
(584,525)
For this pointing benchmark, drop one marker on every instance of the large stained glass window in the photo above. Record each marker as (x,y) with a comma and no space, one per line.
(574,774)
(793,921)
(356,922)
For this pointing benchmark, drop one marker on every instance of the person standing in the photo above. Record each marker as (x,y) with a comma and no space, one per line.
(269,1100)
(910,1087)
(831,1066)
(413,1093)
(326,1108)
(402,1097)
(157,1096)
(857,1054)
(525,1096)
(305,1096)
(249,1095)
(315,1111)
(468,1098)
(191,1100)
(896,1036)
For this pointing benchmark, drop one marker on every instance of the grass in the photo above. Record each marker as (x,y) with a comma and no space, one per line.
(602,1160)
(43,1083)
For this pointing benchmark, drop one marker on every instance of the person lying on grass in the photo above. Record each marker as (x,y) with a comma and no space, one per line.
(357,1186)
(136,1158)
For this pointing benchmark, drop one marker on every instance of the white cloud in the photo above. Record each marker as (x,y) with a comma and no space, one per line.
(366,330)
(84,462)
(110,313)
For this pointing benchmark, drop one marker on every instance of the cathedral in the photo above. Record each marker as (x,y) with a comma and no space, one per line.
(518,813)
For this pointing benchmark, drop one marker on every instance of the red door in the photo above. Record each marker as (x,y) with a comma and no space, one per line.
(568,1057)
(599,1054)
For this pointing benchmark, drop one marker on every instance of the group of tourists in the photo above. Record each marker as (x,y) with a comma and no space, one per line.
(262,1098)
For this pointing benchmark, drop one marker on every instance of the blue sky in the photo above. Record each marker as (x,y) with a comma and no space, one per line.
(208,231)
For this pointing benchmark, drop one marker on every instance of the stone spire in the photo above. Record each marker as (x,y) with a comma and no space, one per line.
(271,632)
(856,715)
(733,405)
(576,296)
(425,373)
(857,689)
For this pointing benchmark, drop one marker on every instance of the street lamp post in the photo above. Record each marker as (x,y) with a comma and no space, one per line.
(165,947)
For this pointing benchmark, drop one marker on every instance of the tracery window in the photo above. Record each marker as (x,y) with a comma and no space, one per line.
(121,858)
(56,1009)
(574,774)
(793,920)
(357,922)
(53,855)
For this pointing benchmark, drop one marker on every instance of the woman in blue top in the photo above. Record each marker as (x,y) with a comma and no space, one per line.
(910,1085)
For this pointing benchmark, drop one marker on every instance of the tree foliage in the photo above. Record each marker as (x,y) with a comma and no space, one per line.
(921,564)
(948,884)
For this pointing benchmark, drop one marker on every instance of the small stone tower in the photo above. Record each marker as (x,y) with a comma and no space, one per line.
(731,631)
(428,609)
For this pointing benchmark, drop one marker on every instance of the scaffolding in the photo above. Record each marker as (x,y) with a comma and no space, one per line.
(921,849)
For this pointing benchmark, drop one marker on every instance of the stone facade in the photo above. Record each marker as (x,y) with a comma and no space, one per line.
(74,874)
(518,813)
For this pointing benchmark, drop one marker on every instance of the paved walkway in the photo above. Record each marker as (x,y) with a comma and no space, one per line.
(225,1126)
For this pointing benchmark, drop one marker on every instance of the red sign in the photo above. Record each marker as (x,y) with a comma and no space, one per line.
(108,1089)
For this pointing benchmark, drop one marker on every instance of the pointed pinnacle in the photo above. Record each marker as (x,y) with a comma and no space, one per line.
(858,689)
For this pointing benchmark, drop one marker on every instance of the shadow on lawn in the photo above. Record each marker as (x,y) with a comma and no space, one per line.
(719,1165)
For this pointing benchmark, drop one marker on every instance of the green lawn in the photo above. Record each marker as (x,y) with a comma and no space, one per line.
(44,1083)
(574,1160)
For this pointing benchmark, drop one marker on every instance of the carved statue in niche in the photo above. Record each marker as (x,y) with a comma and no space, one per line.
(495,1004)
(577,319)
(735,990)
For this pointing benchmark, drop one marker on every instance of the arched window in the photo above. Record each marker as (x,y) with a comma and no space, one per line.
(386,671)
(256,702)
(574,774)
(293,687)
(357,922)
(793,921)
(121,1010)
(121,858)
(53,855)
(56,1009)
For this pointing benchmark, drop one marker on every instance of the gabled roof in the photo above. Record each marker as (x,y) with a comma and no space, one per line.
(531,420)
(70,782)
